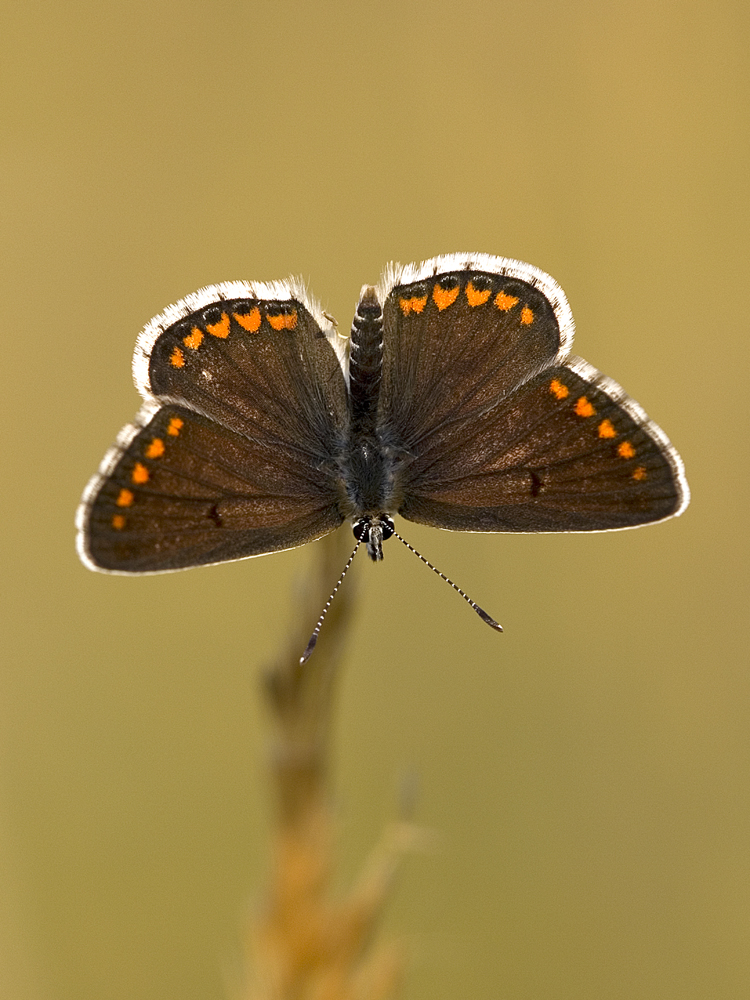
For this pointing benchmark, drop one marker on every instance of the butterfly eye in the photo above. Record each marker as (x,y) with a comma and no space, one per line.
(387,526)
(361,529)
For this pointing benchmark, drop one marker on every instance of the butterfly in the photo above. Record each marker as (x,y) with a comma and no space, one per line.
(454,402)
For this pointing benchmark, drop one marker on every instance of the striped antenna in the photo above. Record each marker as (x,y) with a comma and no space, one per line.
(480,611)
(316,631)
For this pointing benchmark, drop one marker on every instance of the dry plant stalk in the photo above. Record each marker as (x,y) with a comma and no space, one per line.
(303,945)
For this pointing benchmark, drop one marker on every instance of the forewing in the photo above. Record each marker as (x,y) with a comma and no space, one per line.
(567,451)
(461,333)
(261,367)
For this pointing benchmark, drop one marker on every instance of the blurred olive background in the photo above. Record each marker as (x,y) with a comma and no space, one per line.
(586,772)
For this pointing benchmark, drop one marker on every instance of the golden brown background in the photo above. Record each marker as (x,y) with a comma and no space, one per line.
(587,772)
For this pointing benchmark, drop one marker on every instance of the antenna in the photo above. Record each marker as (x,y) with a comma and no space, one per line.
(316,631)
(480,611)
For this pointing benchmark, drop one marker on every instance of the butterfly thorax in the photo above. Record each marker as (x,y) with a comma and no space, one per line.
(367,468)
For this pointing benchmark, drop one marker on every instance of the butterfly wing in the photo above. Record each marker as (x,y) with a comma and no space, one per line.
(567,451)
(460,333)
(231,454)
(531,442)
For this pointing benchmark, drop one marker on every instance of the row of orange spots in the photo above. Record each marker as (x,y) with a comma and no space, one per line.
(584,408)
(504,302)
(444,297)
(140,474)
(249,321)
(477,296)
(155,449)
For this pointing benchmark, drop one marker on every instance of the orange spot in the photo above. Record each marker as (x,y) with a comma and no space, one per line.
(444,297)
(118,521)
(527,316)
(177,358)
(140,473)
(414,305)
(625,450)
(639,473)
(155,449)
(249,321)
(194,339)
(606,429)
(175,424)
(125,498)
(583,408)
(220,329)
(558,390)
(283,321)
(505,302)
(477,296)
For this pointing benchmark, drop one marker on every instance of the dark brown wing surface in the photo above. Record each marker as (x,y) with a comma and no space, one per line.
(492,427)
(233,456)
(566,451)
(458,341)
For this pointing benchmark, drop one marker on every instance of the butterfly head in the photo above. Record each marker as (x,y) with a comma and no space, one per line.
(373,531)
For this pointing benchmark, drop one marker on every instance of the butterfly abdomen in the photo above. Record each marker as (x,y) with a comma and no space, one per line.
(365,363)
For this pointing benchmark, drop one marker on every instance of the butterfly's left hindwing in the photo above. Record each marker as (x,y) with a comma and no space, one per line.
(233,454)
